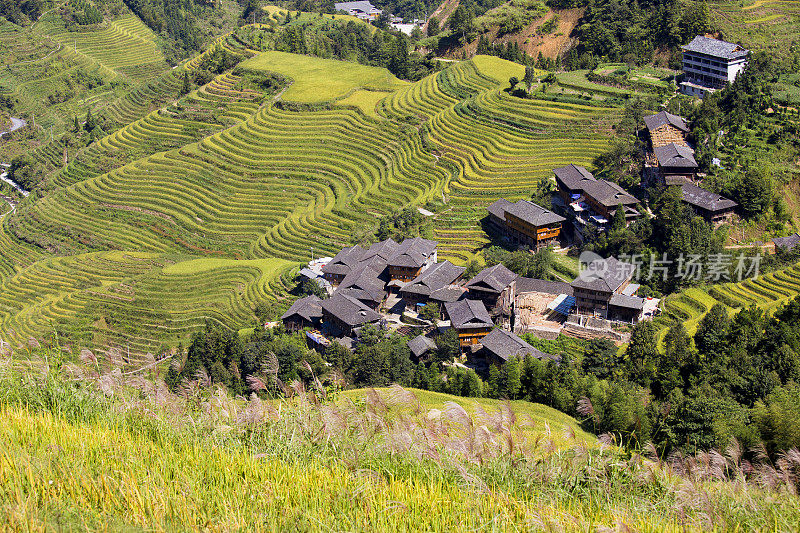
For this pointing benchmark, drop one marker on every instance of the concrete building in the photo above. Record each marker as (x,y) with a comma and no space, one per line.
(525,223)
(710,64)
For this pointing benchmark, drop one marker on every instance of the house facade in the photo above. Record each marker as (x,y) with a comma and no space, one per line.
(304,313)
(709,64)
(495,286)
(592,201)
(525,223)
(607,292)
(712,207)
(471,321)
(410,258)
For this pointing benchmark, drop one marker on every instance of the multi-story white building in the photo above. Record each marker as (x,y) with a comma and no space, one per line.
(709,64)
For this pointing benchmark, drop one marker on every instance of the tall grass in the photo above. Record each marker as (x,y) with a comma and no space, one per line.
(91,447)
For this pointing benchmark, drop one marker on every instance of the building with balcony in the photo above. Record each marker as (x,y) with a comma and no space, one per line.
(710,64)
(525,223)
(592,201)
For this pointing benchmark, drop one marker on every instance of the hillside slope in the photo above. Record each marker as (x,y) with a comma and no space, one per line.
(263,467)
(233,172)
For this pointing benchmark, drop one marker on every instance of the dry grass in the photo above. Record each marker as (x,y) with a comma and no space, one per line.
(93,447)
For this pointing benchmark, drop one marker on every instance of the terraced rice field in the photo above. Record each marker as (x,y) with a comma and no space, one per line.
(46,64)
(768,291)
(121,46)
(137,300)
(266,181)
(769,25)
(320,80)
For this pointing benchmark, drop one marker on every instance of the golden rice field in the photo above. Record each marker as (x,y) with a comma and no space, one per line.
(227,173)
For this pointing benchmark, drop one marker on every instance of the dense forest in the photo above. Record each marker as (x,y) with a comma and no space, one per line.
(735,377)
(21,12)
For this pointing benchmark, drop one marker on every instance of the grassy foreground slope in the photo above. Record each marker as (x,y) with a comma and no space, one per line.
(72,459)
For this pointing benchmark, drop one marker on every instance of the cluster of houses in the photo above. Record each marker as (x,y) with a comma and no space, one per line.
(387,281)
(364,10)
(379,284)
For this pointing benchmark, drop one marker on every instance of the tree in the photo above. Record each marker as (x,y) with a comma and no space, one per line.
(673,364)
(310,287)
(513,81)
(530,75)
(90,124)
(187,84)
(460,22)
(447,346)
(543,193)
(754,189)
(472,386)
(778,418)
(430,312)
(493,385)
(642,354)
(618,223)
(511,372)
(433,27)
(600,358)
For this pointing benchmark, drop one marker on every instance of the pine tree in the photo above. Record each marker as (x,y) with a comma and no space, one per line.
(512,378)
(493,386)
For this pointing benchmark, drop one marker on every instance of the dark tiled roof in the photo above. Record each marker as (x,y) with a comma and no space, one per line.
(653,122)
(499,207)
(577,178)
(383,249)
(433,278)
(344,261)
(349,310)
(609,194)
(492,279)
(574,176)
(675,155)
(504,344)
(309,308)
(361,5)
(468,314)
(451,293)
(362,283)
(412,252)
(533,214)
(608,277)
(544,286)
(707,200)
(715,48)
(420,345)
(629,302)
(787,242)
